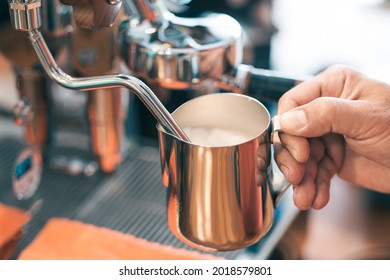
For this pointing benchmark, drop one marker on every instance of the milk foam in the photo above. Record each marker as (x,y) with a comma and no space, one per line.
(215,137)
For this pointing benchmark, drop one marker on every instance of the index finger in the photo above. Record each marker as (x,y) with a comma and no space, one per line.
(330,83)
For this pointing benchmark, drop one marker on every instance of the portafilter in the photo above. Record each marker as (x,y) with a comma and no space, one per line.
(178,53)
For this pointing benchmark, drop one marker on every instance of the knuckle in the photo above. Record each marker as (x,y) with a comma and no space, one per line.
(340,70)
(324,110)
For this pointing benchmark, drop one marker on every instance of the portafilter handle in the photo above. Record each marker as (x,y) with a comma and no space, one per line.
(262,84)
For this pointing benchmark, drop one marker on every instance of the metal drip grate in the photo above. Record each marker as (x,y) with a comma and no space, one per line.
(60,195)
(132,200)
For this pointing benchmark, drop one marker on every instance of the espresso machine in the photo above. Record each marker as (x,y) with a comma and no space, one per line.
(161,52)
(109,55)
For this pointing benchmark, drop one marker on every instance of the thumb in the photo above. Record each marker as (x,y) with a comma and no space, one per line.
(324,115)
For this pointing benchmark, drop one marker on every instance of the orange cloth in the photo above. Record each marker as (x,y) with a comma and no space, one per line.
(73,240)
(11,222)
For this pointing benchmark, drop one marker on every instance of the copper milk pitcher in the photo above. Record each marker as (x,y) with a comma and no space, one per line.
(221,197)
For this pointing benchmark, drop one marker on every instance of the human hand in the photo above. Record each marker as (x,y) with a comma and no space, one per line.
(336,123)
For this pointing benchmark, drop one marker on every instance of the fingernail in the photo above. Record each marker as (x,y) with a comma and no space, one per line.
(294,120)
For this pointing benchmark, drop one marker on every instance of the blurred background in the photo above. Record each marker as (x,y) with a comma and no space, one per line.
(315,34)
(311,36)
(291,36)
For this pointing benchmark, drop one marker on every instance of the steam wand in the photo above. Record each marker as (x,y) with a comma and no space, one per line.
(26,16)
(108,81)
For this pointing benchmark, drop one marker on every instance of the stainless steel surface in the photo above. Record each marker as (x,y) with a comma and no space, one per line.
(164,49)
(94,14)
(133,201)
(182,53)
(180,2)
(25,15)
(33,86)
(133,84)
(93,53)
(221,197)
(22,112)
(276,123)
(74,166)
(106,118)
(188,53)
(56,18)
(31,81)
(143,10)
(179,53)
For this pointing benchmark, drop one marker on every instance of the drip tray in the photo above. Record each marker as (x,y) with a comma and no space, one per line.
(131,200)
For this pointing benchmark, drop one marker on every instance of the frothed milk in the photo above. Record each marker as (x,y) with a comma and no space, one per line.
(215,137)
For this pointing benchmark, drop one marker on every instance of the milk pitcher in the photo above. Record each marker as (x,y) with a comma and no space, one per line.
(222,195)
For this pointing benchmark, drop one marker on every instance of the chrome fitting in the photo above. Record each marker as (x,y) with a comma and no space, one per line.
(25,14)
(114,2)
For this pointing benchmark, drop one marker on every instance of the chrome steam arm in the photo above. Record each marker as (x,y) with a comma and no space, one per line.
(25,16)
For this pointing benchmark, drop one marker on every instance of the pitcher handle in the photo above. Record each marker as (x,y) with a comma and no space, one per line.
(277,182)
